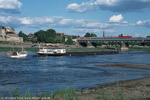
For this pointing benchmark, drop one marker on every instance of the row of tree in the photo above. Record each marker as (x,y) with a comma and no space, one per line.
(50,36)
(90,35)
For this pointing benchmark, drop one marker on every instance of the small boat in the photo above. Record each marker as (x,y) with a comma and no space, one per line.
(16,54)
(51,52)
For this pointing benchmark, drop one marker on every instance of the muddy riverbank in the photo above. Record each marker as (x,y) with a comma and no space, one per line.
(137,89)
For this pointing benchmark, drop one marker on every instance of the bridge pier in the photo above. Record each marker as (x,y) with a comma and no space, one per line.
(90,45)
(124,46)
(78,45)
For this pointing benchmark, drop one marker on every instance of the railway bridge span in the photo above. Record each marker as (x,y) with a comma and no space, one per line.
(123,42)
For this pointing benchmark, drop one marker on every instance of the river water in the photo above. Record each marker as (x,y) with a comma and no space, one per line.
(48,74)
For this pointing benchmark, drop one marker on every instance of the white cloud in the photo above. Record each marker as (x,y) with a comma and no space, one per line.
(57,22)
(26,21)
(9,6)
(125,22)
(116,18)
(145,23)
(85,6)
(111,5)
(98,31)
(105,2)
(77,25)
(75,6)
(139,22)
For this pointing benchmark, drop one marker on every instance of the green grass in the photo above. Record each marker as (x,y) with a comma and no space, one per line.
(36,49)
(139,48)
(109,93)
(17,49)
(64,94)
(4,42)
(112,94)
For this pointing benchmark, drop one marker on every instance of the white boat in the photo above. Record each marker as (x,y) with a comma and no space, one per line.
(51,52)
(16,54)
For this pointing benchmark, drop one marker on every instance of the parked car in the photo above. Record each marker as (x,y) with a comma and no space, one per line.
(33,45)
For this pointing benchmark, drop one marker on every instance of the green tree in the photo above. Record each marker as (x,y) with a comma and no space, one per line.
(48,36)
(87,35)
(25,37)
(74,37)
(40,36)
(90,35)
(93,35)
(69,41)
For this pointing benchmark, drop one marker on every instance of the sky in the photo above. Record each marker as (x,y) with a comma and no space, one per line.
(77,17)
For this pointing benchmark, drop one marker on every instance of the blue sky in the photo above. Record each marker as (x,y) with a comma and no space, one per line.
(76,17)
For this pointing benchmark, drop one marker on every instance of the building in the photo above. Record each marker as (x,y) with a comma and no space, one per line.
(10,30)
(32,38)
(13,38)
(2,33)
(8,34)
(61,34)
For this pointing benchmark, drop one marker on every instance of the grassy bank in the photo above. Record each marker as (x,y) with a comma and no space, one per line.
(65,94)
(74,49)
(138,89)
(139,48)
(17,49)
(71,94)
(36,49)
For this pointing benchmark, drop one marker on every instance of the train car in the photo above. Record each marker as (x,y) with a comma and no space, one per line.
(119,37)
(125,36)
(83,38)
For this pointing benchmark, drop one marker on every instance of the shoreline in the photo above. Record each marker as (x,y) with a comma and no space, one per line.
(134,89)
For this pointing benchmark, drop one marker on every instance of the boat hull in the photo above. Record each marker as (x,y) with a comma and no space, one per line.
(50,54)
(17,56)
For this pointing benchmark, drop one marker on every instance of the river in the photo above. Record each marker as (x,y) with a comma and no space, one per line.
(48,74)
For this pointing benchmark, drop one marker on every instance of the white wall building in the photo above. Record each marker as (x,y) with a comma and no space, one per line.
(9,37)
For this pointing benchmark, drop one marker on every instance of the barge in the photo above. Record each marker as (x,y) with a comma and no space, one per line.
(88,52)
(51,52)
(63,52)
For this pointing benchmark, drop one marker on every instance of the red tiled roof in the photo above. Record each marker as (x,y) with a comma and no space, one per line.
(60,33)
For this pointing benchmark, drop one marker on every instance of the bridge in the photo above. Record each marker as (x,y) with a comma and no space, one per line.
(124,42)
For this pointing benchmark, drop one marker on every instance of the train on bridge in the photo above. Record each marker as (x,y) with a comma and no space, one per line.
(119,37)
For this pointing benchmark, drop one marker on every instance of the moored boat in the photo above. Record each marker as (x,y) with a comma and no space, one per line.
(16,54)
(51,52)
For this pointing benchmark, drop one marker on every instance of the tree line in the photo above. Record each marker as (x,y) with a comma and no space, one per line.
(50,36)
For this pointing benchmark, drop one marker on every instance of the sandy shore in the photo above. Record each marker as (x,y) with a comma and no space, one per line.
(138,89)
